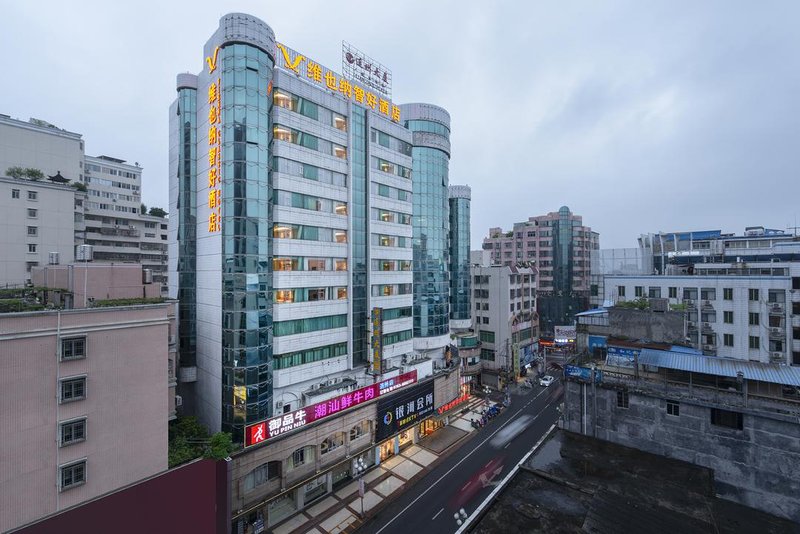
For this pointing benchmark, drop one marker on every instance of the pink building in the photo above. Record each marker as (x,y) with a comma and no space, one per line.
(86,395)
(98,281)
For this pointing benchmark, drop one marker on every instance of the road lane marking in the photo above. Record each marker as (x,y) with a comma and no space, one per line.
(404,510)
(437,514)
(507,444)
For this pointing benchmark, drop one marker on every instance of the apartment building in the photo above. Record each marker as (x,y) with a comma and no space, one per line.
(505,320)
(86,396)
(560,245)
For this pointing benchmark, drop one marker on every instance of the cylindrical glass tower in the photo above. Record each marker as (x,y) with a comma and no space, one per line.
(431,154)
(460,307)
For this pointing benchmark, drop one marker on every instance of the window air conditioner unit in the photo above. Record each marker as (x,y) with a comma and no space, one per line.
(178,401)
(279,405)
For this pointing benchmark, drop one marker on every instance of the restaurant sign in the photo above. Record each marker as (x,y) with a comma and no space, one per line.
(281,424)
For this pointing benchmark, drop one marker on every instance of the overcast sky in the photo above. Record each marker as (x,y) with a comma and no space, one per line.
(640,116)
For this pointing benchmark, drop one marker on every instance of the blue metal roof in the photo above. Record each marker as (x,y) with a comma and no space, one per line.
(596,311)
(710,365)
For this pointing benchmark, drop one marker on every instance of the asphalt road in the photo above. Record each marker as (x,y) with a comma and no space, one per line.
(466,477)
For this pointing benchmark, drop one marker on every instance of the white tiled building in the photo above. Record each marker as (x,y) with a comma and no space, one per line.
(748,311)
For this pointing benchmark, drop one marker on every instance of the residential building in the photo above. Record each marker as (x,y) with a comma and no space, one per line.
(747,311)
(39,227)
(86,396)
(104,206)
(737,417)
(560,245)
(431,158)
(505,320)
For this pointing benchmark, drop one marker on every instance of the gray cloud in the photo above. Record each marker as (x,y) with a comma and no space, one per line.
(641,116)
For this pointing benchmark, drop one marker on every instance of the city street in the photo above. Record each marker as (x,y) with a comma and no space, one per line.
(465,478)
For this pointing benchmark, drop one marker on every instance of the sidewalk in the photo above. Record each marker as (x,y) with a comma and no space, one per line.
(340,511)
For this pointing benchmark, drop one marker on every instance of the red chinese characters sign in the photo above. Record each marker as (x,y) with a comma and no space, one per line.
(282,424)
(452,404)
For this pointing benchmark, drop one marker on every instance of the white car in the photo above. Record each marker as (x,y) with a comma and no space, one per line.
(546,380)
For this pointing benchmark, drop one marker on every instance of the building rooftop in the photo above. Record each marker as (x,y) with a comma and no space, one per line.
(576,483)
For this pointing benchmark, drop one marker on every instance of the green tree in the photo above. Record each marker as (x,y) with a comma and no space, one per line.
(157,212)
(143,209)
(34,174)
(15,172)
(188,439)
(221,446)
(79,186)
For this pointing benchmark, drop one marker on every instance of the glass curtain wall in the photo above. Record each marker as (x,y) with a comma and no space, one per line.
(187,226)
(460,308)
(360,259)
(246,237)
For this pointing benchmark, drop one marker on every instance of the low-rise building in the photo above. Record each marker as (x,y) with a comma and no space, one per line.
(86,396)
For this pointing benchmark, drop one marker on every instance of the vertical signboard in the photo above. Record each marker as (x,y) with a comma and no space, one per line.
(214,145)
(377,340)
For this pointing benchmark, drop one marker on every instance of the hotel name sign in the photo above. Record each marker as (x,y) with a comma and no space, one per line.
(309,69)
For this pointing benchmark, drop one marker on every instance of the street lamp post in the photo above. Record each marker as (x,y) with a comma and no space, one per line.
(359,468)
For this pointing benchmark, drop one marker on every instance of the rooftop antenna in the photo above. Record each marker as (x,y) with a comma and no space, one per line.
(795,227)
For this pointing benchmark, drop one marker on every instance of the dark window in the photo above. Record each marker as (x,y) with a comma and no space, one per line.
(73,389)
(753,294)
(73,348)
(726,418)
(673,408)
(638,291)
(673,292)
(622,399)
(621,291)
(72,475)
(727,293)
(73,432)
(727,340)
(727,317)
(754,342)
(753,319)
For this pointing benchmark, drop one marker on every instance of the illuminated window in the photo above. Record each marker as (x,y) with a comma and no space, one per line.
(386,241)
(388,290)
(341,293)
(340,208)
(386,216)
(285,264)
(283,296)
(339,122)
(340,265)
(387,265)
(284,232)
(340,236)
(340,151)
(283,100)
(316,264)
(405,265)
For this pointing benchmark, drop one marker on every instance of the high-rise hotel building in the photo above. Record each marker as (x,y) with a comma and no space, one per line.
(291,202)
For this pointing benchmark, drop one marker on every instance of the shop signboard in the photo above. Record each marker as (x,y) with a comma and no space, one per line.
(565,334)
(582,373)
(403,410)
(287,422)
(594,342)
(621,356)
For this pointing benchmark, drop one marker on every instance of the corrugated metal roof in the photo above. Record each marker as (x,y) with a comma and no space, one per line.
(596,311)
(763,372)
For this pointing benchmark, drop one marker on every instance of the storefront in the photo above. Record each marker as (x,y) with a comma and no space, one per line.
(429,426)
(399,416)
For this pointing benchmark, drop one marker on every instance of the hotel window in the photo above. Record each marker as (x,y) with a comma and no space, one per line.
(727,317)
(727,293)
(339,208)
(340,264)
(727,340)
(73,349)
(339,151)
(15,193)
(673,409)
(316,264)
(72,475)
(727,419)
(72,432)
(285,264)
(752,294)
(340,236)
(32,213)
(754,342)
(283,296)
(341,293)
(316,294)
(33,231)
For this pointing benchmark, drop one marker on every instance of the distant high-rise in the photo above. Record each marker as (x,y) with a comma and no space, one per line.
(460,297)
(560,246)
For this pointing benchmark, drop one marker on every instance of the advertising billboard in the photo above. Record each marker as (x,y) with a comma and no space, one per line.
(403,410)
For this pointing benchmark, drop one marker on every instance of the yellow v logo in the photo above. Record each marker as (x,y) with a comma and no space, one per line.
(288,62)
(212,63)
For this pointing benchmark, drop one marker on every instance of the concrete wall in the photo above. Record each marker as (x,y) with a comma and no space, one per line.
(102,281)
(125,405)
(758,466)
(663,327)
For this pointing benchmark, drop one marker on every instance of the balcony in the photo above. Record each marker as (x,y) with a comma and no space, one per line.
(707,305)
(690,303)
(468,370)
(707,328)
(775,308)
(777,333)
